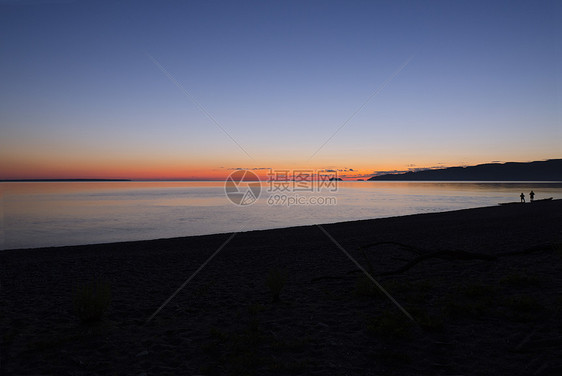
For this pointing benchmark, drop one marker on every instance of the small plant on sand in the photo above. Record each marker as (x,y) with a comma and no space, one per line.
(275,282)
(91,301)
(557,247)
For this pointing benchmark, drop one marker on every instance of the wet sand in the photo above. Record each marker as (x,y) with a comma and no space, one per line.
(483,287)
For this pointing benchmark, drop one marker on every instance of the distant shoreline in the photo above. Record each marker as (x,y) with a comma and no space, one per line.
(265,181)
(549,170)
(58,180)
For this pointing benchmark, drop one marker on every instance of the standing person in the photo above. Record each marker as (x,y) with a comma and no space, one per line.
(532,196)
(522,197)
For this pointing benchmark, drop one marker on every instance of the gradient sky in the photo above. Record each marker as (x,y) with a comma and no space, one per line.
(160,89)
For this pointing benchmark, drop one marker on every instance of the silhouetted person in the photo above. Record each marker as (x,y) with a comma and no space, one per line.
(532,196)
(522,197)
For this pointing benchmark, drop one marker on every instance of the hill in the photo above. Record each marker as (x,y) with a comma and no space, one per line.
(550,170)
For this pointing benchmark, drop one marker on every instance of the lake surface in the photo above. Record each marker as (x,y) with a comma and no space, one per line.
(70,213)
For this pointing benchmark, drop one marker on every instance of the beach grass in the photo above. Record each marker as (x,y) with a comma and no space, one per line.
(275,282)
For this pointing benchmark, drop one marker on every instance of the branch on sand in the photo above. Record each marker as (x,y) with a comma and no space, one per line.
(426,255)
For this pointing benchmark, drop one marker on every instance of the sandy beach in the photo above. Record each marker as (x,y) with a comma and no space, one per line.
(483,287)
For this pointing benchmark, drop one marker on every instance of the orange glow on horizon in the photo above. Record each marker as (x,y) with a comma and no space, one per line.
(76,167)
(156,171)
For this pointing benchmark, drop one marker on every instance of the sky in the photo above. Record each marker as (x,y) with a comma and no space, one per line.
(196,89)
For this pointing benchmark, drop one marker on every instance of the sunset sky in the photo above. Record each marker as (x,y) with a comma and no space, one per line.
(195,89)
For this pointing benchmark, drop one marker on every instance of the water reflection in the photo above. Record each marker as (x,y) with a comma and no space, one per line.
(65,213)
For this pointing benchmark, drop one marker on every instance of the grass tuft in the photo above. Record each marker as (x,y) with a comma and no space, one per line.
(276,282)
(557,247)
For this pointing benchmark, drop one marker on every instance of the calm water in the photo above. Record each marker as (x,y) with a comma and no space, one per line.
(65,213)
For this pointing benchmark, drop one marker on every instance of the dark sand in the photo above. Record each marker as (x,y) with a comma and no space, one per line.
(475,316)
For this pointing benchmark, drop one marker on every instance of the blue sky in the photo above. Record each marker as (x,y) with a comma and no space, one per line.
(82,95)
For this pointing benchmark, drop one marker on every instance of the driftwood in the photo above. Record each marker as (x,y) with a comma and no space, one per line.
(537,248)
(442,254)
(447,255)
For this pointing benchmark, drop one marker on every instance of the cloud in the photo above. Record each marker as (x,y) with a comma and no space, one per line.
(333,169)
(359,176)
(385,172)
(248,168)
(416,169)
(411,168)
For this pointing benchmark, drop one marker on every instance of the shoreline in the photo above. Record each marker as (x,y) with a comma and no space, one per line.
(483,281)
(178,238)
